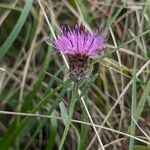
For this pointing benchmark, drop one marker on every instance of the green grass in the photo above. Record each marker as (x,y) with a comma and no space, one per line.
(116,94)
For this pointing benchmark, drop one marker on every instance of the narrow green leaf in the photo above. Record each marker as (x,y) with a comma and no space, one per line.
(77,134)
(8,6)
(57,79)
(53,133)
(64,113)
(133,105)
(38,83)
(86,84)
(83,133)
(138,147)
(71,110)
(13,35)
(142,101)
(1,72)
(53,79)
(124,44)
(14,131)
(52,108)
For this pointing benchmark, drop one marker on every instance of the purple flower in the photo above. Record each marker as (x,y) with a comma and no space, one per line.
(78,44)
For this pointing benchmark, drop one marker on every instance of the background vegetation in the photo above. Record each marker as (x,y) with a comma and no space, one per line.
(36,98)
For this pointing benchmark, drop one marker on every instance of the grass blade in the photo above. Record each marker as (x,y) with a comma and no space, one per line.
(142,101)
(64,112)
(53,133)
(83,133)
(14,131)
(133,105)
(71,110)
(52,108)
(14,34)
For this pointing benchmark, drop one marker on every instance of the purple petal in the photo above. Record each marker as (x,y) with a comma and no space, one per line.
(79,40)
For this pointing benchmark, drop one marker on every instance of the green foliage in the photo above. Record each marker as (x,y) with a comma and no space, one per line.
(13,35)
(52,114)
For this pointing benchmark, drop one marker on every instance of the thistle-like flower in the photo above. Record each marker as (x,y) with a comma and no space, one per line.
(79,45)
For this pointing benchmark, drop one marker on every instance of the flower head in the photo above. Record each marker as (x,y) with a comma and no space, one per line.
(78,44)
(80,41)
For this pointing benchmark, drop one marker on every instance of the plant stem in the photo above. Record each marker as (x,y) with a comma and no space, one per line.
(71,110)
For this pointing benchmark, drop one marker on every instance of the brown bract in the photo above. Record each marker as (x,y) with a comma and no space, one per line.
(78,67)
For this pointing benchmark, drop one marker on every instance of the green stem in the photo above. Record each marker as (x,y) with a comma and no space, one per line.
(71,110)
(133,105)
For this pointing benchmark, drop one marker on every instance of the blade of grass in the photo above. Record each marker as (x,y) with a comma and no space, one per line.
(1,72)
(133,105)
(65,116)
(53,133)
(139,147)
(9,6)
(142,101)
(110,21)
(81,16)
(57,79)
(124,44)
(14,34)
(77,134)
(76,121)
(52,80)
(140,45)
(63,112)
(38,83)
(71,110)
(83,133)
(14,131)
(6,13)
(53,107)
